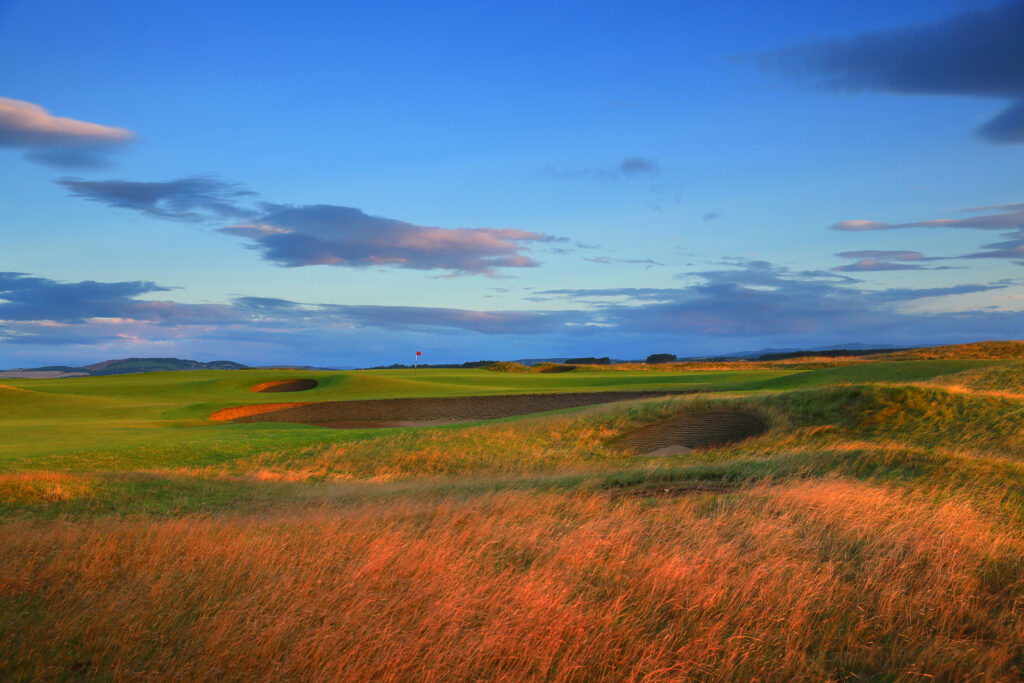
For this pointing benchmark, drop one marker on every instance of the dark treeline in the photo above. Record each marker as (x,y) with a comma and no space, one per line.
(468,364)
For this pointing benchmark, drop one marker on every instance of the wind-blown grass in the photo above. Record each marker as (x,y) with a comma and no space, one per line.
(876,531)
(807,581)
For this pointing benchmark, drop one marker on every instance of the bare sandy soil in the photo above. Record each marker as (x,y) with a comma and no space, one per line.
(410,412)
(700,429)
(283,385)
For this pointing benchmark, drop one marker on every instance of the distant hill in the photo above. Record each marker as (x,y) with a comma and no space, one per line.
(127,365)
(780,354)
(123,366)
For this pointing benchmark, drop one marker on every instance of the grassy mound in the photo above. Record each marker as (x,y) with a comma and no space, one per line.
(1008,377)
(990,350)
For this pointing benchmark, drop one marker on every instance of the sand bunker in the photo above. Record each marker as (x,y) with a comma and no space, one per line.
(700,429)
(412,412)
(282,385)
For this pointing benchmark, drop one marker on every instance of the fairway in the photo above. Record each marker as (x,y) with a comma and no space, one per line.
(161,419)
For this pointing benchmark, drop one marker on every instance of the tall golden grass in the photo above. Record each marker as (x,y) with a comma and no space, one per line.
(812,580)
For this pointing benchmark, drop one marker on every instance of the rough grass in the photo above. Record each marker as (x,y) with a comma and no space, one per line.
(1007,379)
(812,580)
(875,532)
(990,350)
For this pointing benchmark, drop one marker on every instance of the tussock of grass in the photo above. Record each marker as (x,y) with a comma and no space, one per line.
(44,487)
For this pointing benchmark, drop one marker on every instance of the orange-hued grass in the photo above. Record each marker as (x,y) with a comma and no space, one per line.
(876,532)
(803,581)
(44,487)
(1006,350)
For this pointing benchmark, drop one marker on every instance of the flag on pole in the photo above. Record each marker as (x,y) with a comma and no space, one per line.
(419,353)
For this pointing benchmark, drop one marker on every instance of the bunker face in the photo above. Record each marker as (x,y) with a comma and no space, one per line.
(282,385)
(700,429)
(411,412)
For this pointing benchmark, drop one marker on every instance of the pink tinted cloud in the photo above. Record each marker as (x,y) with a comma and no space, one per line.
(998,217)
(24,124)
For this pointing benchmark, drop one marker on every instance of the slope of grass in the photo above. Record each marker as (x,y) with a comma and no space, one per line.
(1004,377)
(881,371)
(990,350)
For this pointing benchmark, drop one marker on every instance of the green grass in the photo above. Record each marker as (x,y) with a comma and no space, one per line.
(881,371)
(102,432)
(160,419)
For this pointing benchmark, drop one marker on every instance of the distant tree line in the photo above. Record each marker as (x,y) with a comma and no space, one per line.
(588,360)
(468,364)
(655,358)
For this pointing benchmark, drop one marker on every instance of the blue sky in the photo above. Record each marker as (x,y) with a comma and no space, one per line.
(342,185)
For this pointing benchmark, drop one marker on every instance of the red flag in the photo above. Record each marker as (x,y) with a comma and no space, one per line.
(419,353)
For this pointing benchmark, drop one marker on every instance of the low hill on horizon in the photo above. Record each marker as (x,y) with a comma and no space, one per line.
(122,366)
(984,350)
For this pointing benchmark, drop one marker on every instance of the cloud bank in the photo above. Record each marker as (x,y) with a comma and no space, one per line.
(56,140)
(874,260)
(750,304)
(1008,217)
(998,217)
(321,234)
(979,53)
(293,236)
(194,199)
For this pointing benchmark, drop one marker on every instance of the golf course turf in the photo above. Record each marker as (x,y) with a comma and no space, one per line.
(862,519)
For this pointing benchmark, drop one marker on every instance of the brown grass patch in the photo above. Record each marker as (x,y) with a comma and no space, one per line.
(44,487)
(986,350)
